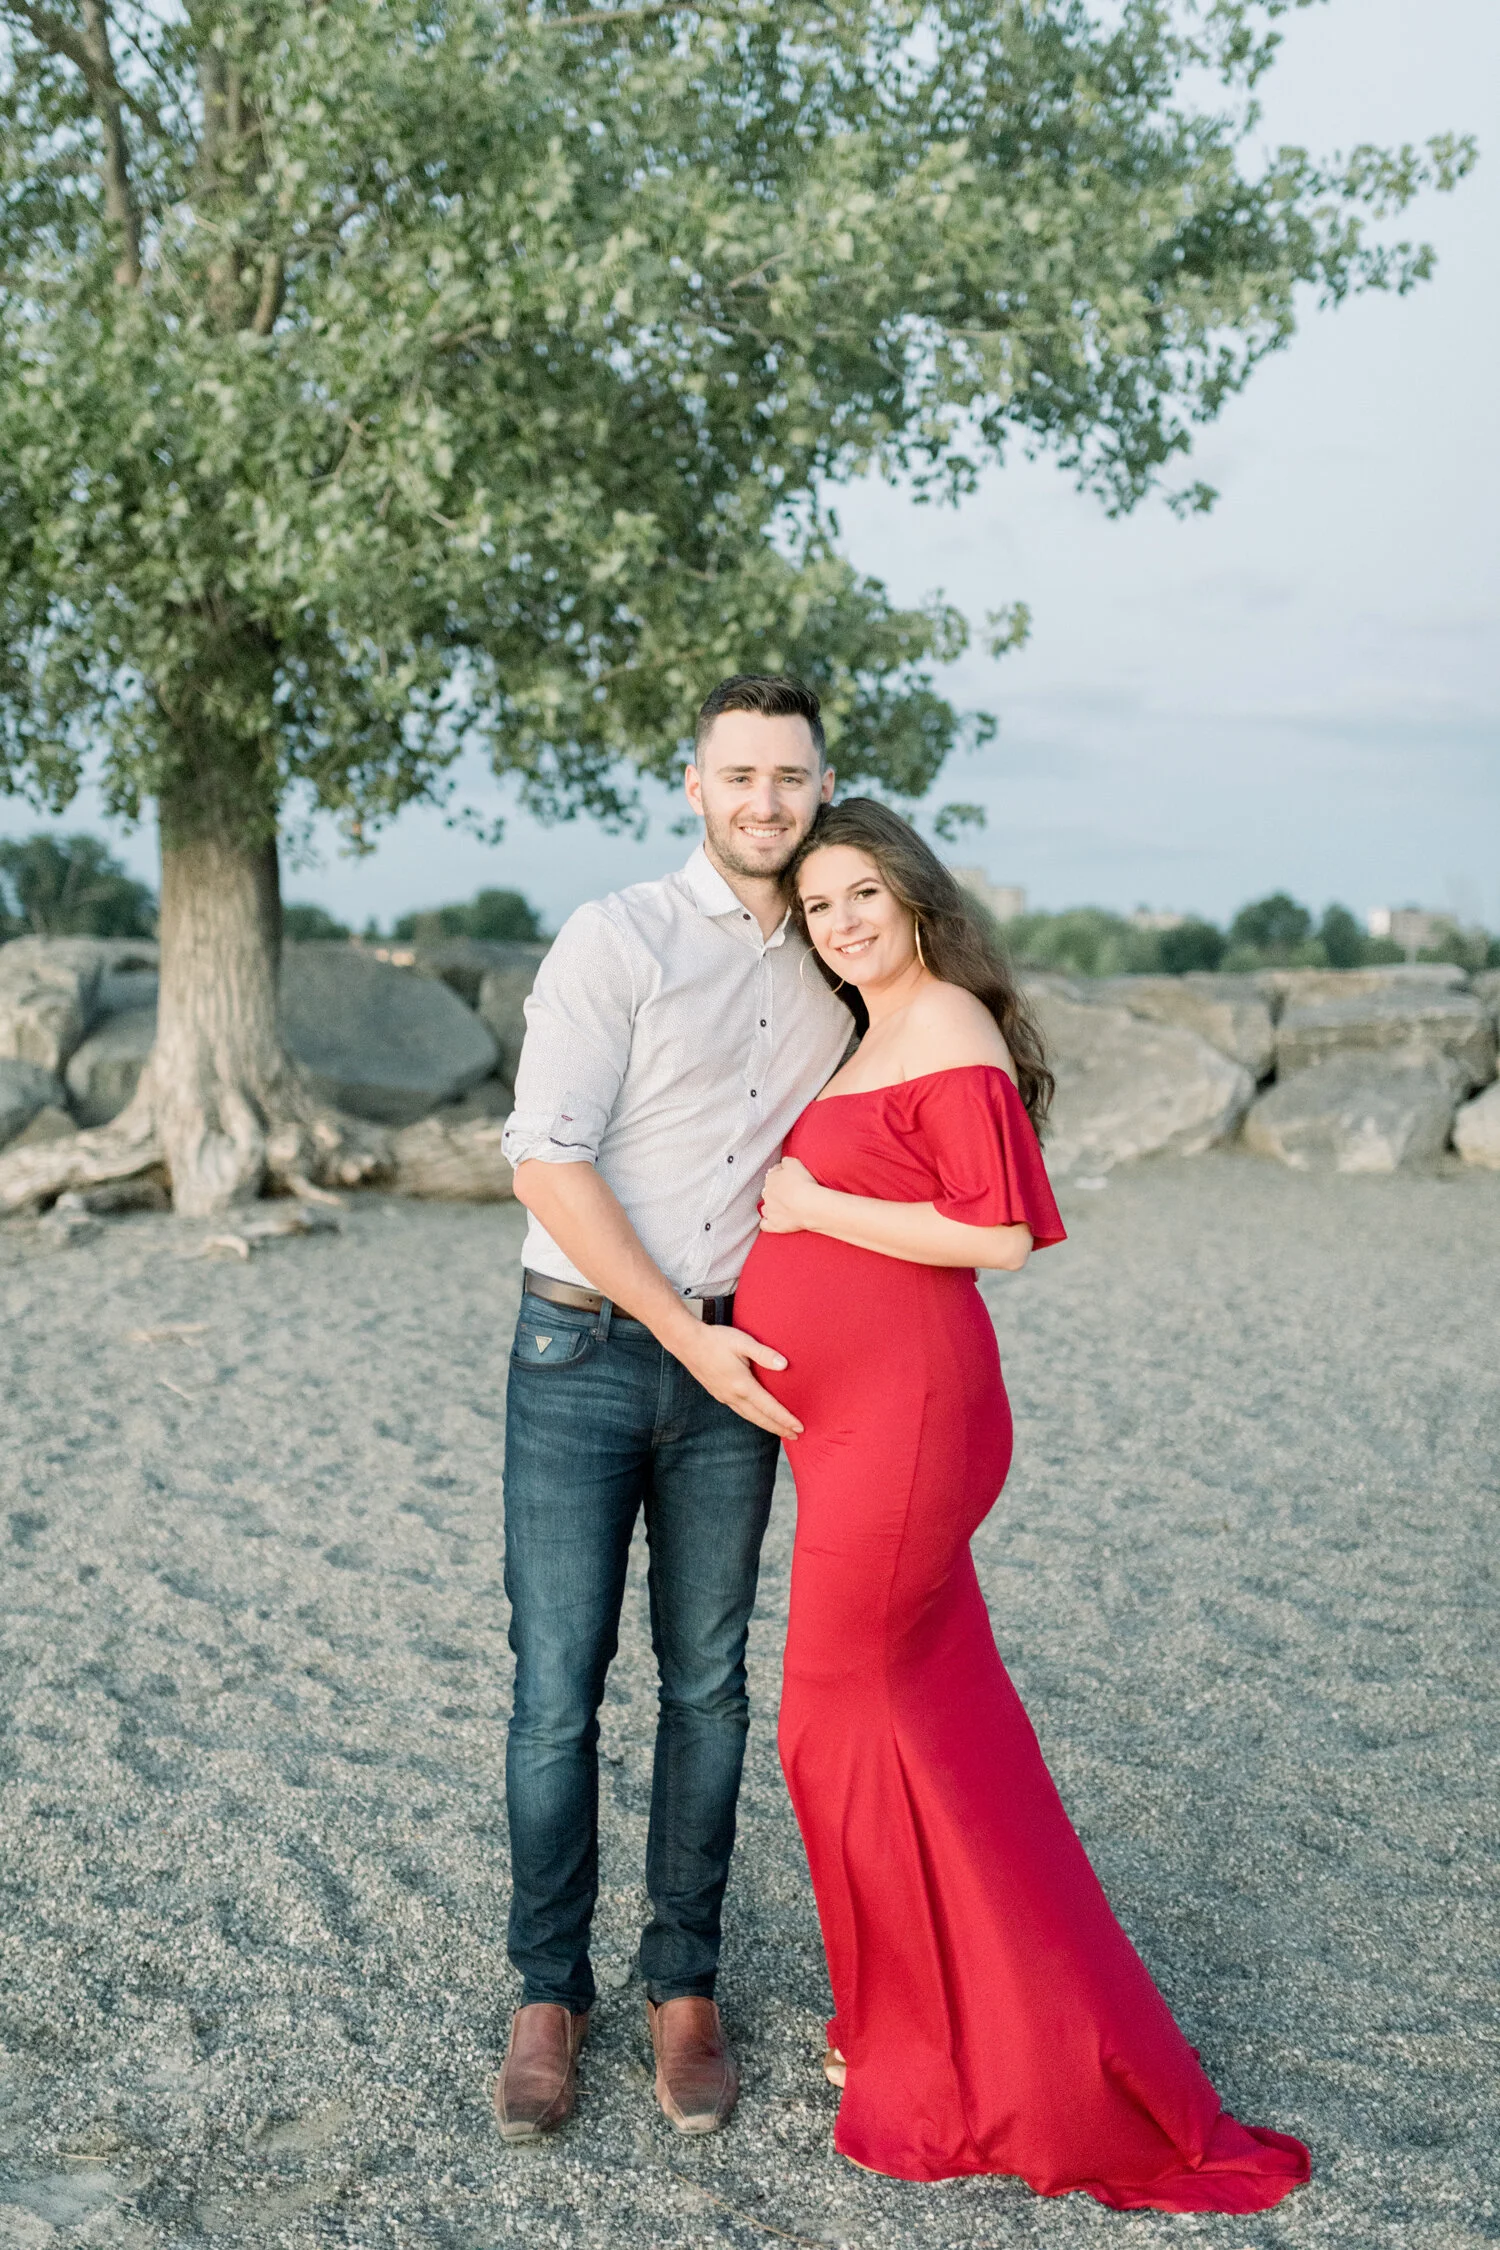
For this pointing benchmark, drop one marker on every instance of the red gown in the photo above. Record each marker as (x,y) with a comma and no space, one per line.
(993,2014)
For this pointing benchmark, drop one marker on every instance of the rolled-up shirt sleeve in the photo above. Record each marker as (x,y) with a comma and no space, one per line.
(579,1020)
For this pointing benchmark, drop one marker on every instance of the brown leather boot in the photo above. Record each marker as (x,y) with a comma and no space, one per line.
(534,2091)
(697,2082)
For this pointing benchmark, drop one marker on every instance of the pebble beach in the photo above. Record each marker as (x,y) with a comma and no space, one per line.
(254,1680)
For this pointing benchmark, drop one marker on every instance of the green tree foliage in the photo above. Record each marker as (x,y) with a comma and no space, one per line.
(370,376)
(1269,933)
(1194,944)
(70,886)
(495,915)
(1469,949)
(377,380)
(305,925)
(1344,943)
(1084,941)
(1274,928)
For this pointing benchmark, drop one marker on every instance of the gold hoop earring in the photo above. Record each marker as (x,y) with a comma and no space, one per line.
(802,973)
(916,926)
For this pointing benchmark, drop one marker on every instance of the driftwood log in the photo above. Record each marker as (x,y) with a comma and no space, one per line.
(454,1159)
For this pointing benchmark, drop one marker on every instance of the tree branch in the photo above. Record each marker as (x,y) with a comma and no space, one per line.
(272,292)
(757,273)
(88,52)
(60,38)
(143,110)
(119,204)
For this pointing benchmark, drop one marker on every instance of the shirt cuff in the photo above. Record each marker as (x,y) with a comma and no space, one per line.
(569,1134)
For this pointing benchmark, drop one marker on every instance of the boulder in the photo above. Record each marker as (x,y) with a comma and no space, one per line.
(455,1158)
(502,1000)
(120,990)
(49,1124)
(1127,1087)
(25,1088)
(54,990)
(1231,1013)
(1301,987)
(1359,1112)
(1418,1021)
(48,988)
(1476,1130)
(104,1072)
(1486,989)
(464,963)
(492,1097)
(377,1040)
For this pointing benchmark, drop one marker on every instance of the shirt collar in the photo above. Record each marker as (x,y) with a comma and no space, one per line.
(712,896)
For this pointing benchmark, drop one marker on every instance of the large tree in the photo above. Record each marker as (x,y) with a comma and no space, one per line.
(377,376)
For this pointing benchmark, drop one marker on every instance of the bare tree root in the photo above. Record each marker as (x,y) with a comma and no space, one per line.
(311,1155)
(309,1151)
(33,1178)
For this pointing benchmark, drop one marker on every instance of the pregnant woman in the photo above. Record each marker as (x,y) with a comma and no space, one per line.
(990,2013)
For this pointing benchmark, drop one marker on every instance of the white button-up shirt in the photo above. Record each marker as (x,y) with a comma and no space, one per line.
(673,1047)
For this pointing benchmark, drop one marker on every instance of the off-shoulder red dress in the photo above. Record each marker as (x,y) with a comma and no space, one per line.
(994,2015)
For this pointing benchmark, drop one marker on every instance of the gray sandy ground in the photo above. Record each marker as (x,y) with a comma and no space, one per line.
(253,1682)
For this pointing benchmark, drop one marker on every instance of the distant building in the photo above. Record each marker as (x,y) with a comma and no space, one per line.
(1006,901)
(1414,928)
(1144,919)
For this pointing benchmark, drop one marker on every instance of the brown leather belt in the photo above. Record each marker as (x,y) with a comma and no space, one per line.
(715,1312)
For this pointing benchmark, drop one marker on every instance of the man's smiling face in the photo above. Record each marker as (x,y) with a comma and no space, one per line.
(757,783)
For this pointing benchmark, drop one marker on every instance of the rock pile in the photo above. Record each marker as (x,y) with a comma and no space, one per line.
(1230,1013)
(428,1046)
(1358,1070)
(1362,1070)
(1132,1085)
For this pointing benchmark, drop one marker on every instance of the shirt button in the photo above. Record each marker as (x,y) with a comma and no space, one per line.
(708,1226)
(762,1023)
(752,1093)
(744,917)
(729,1159)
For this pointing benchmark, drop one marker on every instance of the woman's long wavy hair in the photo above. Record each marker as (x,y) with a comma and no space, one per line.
(956,942)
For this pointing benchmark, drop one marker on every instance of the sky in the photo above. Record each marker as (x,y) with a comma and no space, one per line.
(1299,691)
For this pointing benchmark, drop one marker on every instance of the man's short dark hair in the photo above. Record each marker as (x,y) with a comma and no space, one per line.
(775,695)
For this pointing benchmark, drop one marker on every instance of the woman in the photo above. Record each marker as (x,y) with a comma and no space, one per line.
(992,2012)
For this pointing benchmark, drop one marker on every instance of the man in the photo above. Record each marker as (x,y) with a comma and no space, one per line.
(672,1038)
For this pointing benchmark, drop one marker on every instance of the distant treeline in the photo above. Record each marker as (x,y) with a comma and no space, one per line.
(70,886)
(1270,933)
(494,915)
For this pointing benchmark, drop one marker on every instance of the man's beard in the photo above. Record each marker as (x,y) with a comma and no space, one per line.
(732,860)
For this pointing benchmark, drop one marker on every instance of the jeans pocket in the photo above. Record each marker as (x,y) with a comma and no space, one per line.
(551,1336)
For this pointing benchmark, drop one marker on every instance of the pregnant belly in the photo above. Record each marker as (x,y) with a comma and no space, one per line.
(860,1331)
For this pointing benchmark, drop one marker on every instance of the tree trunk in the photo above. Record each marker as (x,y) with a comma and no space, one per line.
(218,1080)
(219,1103)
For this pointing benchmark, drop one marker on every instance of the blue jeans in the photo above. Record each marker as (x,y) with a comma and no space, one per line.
(600,1423)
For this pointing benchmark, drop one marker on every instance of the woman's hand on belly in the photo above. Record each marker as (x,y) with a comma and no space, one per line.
(790,1199)
(918,1233)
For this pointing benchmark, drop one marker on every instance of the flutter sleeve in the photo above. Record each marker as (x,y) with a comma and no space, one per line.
(985,1152)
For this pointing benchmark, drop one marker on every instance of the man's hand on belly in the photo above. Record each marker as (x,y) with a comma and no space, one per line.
(585,1220)
(724,1360)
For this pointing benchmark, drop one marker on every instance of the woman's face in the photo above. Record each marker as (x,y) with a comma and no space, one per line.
(859,926)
